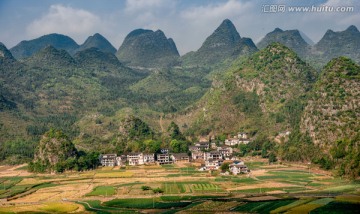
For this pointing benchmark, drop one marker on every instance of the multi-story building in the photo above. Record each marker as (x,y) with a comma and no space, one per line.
(197,155)
(163,159)
(212,164)
(108,159)
(225,151)
(203,145)
(149,158)
(135,159)
(213,155)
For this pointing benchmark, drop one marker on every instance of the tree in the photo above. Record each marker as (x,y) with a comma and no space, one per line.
(224,167)
(158,190)
(145,188)
(175,132)
(178,146)
(272,158)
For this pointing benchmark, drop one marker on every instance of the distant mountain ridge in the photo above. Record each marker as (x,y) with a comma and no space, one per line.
(225,42)
(51,57)
(99,42)
(147,48)
(336,44)
(290,38)
(5,55)
(27,48)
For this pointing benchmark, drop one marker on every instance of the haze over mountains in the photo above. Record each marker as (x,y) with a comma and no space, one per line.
(227,85)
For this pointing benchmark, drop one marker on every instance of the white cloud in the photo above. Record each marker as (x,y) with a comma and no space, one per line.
(218,11)
(77,23)
(133,6)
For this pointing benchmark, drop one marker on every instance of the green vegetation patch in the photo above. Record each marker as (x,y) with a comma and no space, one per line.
(102,190)
(206,187)
(263,190)
(306,208)
(263,206)
(189,197)
(291,205)
(97,207)
(236,180)
(336,207)
(144,203)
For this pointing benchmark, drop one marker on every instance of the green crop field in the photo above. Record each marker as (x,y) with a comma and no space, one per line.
(97,207)
(206,187)
(144,203)
(336,207)
(262,206)
(306,208)
(236,179)
(102,190)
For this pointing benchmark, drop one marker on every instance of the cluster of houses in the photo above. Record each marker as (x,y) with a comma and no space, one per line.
(241,138)
(141,158)
(209,154)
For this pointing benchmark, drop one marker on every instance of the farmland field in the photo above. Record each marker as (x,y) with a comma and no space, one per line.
(102,190)
(177,188)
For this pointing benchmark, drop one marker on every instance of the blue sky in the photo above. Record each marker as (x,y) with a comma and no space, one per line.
(188,22)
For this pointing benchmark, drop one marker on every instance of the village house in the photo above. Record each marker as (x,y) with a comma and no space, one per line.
(241,138)
(163,159)
(194,148)
(149,158)
(213,146)
(225,151)
(232,157)
(197,155)
(135,159)
(108,159)
(121,160)
(203,145)
(238,167)
(180,157)
(212,155)
(231,142)
(213,164)
(243,135)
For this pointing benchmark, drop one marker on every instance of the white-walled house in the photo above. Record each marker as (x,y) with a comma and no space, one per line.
(149,158)
(238,167)
(213,155)
(180,157)
(212,164)
(108,159)
(197,155)
(135,159)
(226,151)
(163,159)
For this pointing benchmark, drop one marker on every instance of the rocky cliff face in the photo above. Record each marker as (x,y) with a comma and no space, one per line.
(268,88)
(333,109)
(146,48)
(53,148)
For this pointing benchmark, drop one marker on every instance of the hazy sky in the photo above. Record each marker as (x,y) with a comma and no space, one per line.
(188,22)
